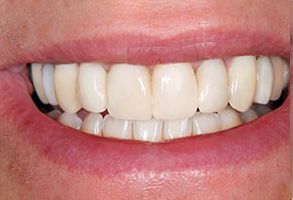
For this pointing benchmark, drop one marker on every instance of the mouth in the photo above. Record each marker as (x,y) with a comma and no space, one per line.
(139,106)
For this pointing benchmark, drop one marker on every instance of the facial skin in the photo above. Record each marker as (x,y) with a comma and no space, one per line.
(40,31)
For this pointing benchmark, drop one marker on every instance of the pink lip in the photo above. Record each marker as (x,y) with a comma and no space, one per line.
(145,49)
(97,155)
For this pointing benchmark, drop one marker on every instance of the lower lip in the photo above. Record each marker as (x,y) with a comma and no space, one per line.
(64,146)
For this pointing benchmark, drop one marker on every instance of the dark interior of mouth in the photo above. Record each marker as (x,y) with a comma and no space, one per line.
(161,129)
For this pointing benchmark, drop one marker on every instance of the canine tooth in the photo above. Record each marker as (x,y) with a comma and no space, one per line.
(117,128)
(148,130)
(278,77)
(174,91)
(248,116)
(129,92)
(92,87)
(70,120)
(264,80)
(66,76)
(286,73)
(36,70)
(212,82)
(242,82)
(205,123)
(48,83)
(177,128)
(229,118)
(93,124)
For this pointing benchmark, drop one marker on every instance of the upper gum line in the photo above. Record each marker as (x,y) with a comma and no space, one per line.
(168,92)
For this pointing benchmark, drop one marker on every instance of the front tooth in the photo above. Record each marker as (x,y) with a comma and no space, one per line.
(205,123)
(229,118)
(93,124)
(148,130)
(92,87)
(242,82)
(66,78)
(48,82)
(286,73)
(212,86)
(117,128)
(129,92)
(174,91)
(248,116)
(36,70)
(278,77)
(177,129)
(264,80)
(70,120)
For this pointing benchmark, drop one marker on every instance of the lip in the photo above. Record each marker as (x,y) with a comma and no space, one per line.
(65,146)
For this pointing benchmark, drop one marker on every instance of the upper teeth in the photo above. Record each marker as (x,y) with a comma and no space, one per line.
(169,91)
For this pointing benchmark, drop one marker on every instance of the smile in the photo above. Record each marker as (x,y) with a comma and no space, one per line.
(160,102)
(167,103)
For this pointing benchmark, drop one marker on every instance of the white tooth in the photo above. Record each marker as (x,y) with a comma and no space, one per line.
(205,123)
(242,82)
(92,87)
(264,80)
(49,85)
(54,114)
(93,124)
(248,116)
(177,128)
(286,73)
(174,91)
(129,92)
(36,70)
(66,76)
(117,128)
(70,120)
(278,77)
(148,130)
(229,118)
(212,82)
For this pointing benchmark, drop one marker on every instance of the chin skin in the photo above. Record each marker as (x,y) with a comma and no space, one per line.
(25,173)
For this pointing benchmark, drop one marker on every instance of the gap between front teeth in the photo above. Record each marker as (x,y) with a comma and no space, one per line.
(161,95)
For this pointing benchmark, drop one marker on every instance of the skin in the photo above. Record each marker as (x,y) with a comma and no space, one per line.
(39,30)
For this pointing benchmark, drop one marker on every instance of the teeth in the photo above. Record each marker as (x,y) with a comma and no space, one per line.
(49,85)
(148,130)
(212,86)
(37,81)
(117,128)
(242,77)
(261,109)
(174,91)
(278,77)
(129,92)
(248,116)
(54,114)
(92,87)
(177,129)
(93,124)
(286,73)
(205,123)
(70,120)
(229,118)
(265,78)
(66,87)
